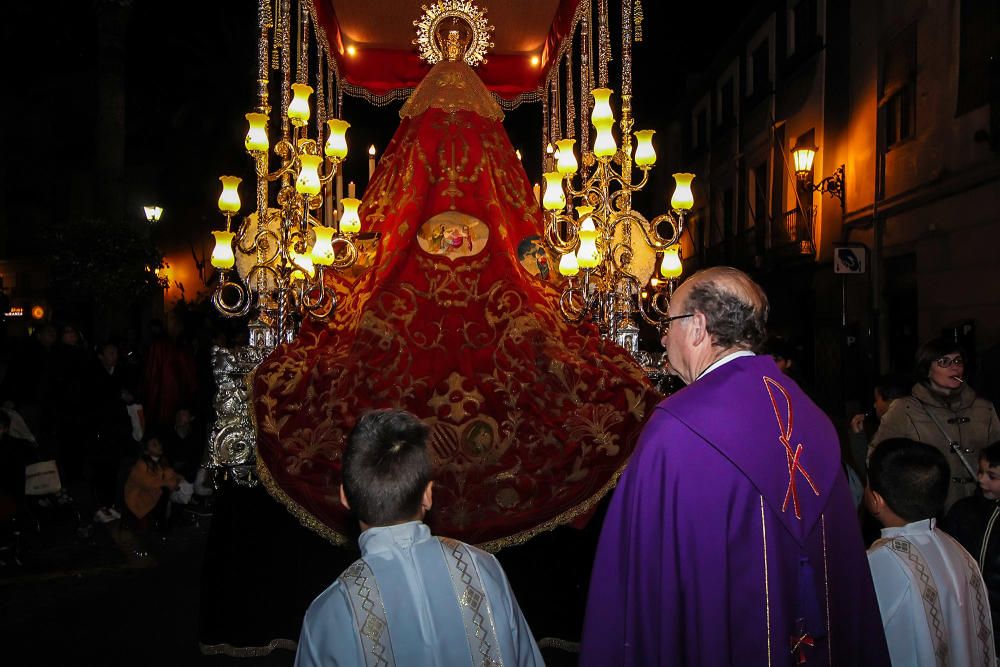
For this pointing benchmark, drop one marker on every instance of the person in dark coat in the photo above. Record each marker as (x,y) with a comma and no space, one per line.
(973,521)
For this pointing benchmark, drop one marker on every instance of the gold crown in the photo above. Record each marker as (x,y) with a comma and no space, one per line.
(455,14)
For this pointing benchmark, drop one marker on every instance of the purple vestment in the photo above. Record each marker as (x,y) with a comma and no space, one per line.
(731,538)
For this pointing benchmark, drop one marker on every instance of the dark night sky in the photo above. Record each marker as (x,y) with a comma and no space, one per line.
(190,76)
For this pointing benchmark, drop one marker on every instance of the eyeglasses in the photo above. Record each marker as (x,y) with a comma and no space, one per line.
(665,323)
(946,362)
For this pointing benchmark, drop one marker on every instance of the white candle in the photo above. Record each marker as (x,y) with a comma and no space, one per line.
(538,193)
(350,189)
(340,186)
(371,162)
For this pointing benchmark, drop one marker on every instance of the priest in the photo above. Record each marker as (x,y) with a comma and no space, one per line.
(731,538)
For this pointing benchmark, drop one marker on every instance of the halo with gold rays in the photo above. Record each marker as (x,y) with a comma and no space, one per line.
(463,10)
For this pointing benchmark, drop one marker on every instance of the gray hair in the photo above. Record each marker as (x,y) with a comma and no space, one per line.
(734,306)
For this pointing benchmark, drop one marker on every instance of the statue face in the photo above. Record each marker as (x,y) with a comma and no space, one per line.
(453,37)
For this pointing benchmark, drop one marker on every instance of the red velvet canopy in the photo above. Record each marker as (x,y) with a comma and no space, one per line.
(454,316)
(385,60)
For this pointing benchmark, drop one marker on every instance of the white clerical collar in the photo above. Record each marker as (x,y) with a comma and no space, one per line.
(396,536)
(725,360)
(916,528)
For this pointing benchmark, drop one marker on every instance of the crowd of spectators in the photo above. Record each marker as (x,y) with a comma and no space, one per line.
(112,415)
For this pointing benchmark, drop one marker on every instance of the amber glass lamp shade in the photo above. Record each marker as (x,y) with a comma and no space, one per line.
(308,181)
(683,198)
(298,108)
(301,262)
(554,198)
(229,200)
(602,107)
(336,143)
(322,250)
(222,254)
(256,140)
(671,266)
(153,212)
(803,157)
(645,156)
(566,160)
(587,255)
(568,265)
(586,227)
(604,142)
(350,221)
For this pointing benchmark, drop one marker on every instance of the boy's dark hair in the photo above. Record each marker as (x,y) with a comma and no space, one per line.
(891,387)
(991,454)
(911,476)
(385,467)
(930,352)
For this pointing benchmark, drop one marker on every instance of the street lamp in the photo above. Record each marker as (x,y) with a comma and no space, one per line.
(833,185)
(153,213)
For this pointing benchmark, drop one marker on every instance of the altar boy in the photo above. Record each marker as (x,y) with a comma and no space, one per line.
(412,599)
(931,595)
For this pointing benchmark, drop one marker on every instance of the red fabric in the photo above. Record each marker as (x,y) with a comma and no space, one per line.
(381,70)
(170,379)
(532,419)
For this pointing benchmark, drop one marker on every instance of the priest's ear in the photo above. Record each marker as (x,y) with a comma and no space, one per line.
(699,328)
(343,498)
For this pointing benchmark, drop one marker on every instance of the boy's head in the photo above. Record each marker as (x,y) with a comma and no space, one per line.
(888,389)
(387,475)
(989,471)
(908,478)
(152,446)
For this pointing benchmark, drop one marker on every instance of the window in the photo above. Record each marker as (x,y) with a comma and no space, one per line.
(760,70)
(896,101)
(699,126)
(978,47)
(728,219)
(727,106)
(804,28)
(758,195)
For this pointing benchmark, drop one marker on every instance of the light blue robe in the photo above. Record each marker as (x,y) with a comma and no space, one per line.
(932,598)
(426,617)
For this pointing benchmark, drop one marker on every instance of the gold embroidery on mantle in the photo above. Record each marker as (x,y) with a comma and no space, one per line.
(451,87)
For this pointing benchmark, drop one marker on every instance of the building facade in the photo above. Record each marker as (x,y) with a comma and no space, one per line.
(901,101)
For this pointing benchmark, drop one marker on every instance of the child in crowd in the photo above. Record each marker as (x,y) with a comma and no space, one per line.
(151,474)
(930,592)
(973,522)
(888,389)
(412,598)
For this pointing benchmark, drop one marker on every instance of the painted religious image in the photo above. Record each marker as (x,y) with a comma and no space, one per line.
(533,256)
(453,234)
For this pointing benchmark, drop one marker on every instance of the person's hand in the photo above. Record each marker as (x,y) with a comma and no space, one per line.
(858,423)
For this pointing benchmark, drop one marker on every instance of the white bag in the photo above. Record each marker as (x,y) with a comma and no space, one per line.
(182,494)
(41,479)
(138,421)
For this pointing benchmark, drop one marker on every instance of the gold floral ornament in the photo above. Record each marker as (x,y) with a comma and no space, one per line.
(453,30)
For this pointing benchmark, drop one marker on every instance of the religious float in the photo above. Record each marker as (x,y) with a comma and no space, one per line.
(505,316)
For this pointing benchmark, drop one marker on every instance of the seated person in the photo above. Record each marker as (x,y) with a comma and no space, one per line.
(973,522)
(930,593)
(15,454)
(146,481)
(185,443)
(412,598)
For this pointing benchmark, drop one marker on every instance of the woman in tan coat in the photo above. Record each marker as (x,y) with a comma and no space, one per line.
(945,412)
(146,481)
